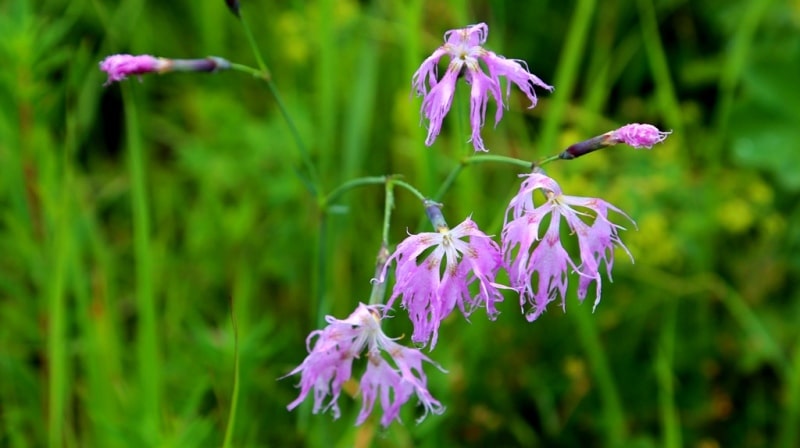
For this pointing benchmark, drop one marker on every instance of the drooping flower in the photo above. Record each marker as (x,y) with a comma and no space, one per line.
(529,254)
(120,66)
(464,46)
(392,381)
(635,134)
(432,285)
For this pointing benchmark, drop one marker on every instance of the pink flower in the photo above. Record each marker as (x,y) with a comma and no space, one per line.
(635,134)
(464,46)
(434,271)
(638,135)
(120,66)
(391,381)
(530,255)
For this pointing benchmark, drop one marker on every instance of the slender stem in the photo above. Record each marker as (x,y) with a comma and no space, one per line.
(410,188)
(147,340)
(567,71)
(388,206)
(253,46)
(448,182)
(235,398)
(378,282)
(349,185)
(547,160)
(480,158)
(320,279)
(659,65)
(256,73)
(311,180)
(670,421)
(56,342)
(609,396)
(483,158)
(737,55)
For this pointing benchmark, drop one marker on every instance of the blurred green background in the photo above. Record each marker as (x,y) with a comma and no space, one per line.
(135,218)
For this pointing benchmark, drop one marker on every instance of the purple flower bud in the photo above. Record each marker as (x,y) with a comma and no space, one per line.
(635,134)
(120,66)
(233,5)
(639,135)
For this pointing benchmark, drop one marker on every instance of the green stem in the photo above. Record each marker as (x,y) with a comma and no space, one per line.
(379,284)
(410,188)
(737,56)
(670,421)
(654,49)
(312,180)
(609,396)
(484,158)
(547,160)
(320,279)
(256,73)
(334,195)
(235,398)
(57,357)
(480,158)
(253,46)
(448,182)
(388,206)
(147,340)
(567,71)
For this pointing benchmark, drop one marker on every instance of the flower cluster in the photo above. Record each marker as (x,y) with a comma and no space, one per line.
(391,381)
(437,272)
(464,47)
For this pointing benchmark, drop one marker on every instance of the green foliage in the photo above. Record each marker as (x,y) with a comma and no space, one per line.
(136,219)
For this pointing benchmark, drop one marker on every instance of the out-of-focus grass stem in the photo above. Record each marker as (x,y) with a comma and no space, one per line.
(613,416)
(567,72)
(147,338)
(235,396)
(670,422)
(57,356)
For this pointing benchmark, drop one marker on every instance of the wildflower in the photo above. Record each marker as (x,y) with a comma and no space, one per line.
(120,66)
(528,255)
(639,135)
(431,287)
(634,134)
(394,381)
(464,46)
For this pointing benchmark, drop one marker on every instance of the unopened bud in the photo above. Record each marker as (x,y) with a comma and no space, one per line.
(233,5)
(635,135)
(434,212)
(120,66)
